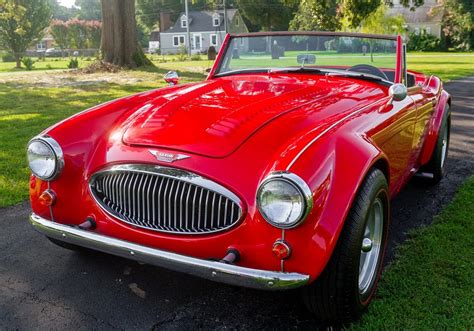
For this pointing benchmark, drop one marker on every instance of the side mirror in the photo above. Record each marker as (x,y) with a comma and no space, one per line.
(397,92)
(171,78)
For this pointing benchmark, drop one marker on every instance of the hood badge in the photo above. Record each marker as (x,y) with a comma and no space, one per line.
(167,157)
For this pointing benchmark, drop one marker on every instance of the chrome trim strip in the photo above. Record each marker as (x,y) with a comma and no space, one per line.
(298,183)
(168,174)
(213,270)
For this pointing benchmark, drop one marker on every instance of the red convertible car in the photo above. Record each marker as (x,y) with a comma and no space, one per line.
(276,172)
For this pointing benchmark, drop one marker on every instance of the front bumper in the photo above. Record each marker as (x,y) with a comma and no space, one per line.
(213,270)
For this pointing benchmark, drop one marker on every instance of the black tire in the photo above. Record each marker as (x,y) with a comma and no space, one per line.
(68,246)
(437,164)
(335,296)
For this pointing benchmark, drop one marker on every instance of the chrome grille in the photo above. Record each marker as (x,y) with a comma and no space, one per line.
(165,199)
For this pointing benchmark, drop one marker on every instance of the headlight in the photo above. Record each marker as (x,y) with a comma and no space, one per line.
(45,157)
(284,200)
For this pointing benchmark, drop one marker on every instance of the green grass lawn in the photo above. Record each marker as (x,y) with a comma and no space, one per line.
(430,286)
(448,66)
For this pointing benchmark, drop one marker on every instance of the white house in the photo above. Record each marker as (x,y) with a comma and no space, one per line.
(427,17)
(207,28)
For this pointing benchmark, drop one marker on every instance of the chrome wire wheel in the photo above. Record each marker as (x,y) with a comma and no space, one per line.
(370,248)
(444,147)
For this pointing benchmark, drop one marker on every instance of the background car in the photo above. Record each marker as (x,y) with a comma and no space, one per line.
(52,52)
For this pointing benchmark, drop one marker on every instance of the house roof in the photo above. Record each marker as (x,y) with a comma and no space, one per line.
(202,21)
(423,14)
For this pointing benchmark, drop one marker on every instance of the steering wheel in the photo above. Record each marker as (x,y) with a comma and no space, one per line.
(368,69)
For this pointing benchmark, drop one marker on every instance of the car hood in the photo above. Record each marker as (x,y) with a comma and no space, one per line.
(215,117)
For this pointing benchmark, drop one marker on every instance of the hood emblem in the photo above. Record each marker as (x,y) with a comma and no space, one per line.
(167,157)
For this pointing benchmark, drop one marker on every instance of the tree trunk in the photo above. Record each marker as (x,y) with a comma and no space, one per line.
(18,60)
(119,44)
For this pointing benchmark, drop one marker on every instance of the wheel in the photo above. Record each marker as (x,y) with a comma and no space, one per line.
(346,286)
(68,245)
(437,163)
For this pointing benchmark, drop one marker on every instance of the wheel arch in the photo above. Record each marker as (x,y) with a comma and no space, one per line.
(442,109)
(348,161)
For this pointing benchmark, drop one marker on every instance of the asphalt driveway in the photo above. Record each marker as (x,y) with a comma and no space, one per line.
(46,287)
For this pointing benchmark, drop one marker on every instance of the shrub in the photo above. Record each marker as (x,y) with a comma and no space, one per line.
(195,57)
(8,57)
(28,63)
(423,42)
(182,53)
(48,66)
(73,64)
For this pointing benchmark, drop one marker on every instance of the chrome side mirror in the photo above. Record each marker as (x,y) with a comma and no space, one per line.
(171,78)
(397,92)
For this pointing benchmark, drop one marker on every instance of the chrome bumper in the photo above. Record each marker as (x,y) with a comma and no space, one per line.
(216,271)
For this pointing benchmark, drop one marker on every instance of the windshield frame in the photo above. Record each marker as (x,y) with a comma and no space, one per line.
(400,69)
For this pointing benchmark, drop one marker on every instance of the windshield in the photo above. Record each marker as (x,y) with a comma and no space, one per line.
(351,54)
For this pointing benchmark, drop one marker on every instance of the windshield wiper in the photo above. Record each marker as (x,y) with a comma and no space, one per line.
(299,69)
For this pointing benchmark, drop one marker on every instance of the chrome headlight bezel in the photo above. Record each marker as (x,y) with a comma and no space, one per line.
(56,153)
(296,182)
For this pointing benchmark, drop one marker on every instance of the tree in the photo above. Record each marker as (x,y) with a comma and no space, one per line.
(22,22)
(148,11)
(77,33)
(458,24)
(119,44)
(61,12)
(93,33)
(379,22)
(89,9)
(353,12)
(268,14)
(334,14)
(60,32)
(313,15)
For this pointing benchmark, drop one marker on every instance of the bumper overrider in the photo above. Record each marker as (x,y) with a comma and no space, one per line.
(213,270)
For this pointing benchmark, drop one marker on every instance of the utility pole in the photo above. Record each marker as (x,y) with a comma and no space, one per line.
(225,17)
(187,27)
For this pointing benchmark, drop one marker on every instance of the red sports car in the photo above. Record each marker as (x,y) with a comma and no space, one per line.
(276,172)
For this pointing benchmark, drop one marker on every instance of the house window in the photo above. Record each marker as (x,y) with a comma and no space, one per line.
(428,30)
(237,21)
(178,40)
(184,21)
(417,31)
(41,45)
(213,40)
(242,41)
(216,20)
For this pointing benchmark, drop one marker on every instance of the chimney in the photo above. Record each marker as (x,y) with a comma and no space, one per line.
(165,21)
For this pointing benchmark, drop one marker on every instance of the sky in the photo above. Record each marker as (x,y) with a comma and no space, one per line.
(67,3)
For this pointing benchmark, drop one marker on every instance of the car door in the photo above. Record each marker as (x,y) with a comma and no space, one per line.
(425,99)
(394,137)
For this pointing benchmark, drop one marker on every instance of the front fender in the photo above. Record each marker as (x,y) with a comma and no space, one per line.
(335,168)
(441,109)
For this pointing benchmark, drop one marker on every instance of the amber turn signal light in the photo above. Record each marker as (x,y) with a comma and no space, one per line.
(281,250)
(47,198)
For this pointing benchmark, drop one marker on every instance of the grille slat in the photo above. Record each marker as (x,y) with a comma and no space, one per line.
(165,199)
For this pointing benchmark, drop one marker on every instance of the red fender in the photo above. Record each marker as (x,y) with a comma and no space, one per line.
(444,99)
